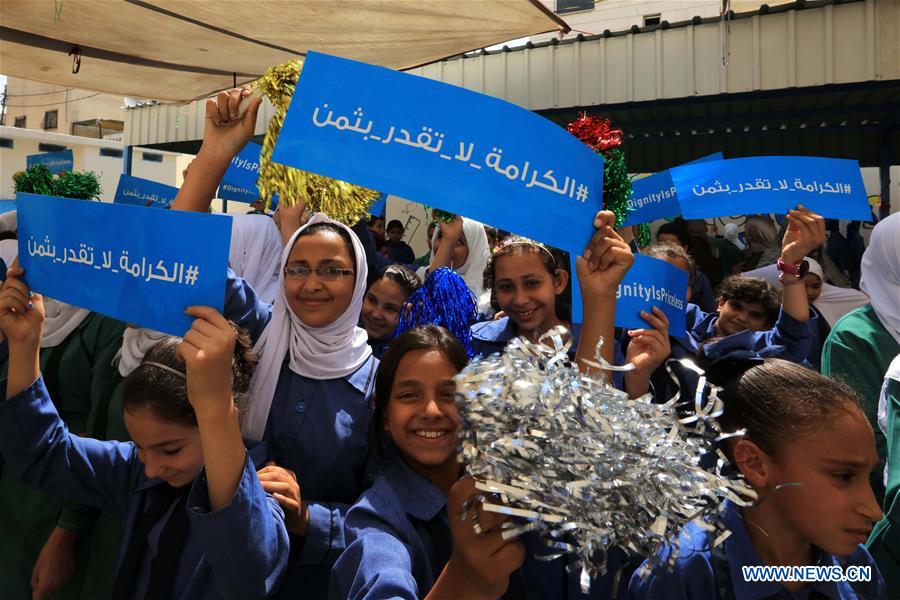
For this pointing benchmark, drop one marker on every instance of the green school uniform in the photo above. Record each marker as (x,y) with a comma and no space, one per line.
(81,380)
(858,352)
(884,542)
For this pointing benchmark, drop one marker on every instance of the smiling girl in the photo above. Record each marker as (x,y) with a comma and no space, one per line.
(383,302)
(198,523)
(807,452)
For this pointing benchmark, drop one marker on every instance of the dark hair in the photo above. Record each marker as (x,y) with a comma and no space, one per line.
(668,250)
(402,275)
(675,229)
(373,219)
(165,394)
(752,289)
(319,227)
(776,401)
(425,337)
(394,224)
(552,259)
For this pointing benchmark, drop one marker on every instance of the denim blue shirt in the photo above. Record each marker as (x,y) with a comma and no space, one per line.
(695,574)
(390,552)
(319,430)
(239,551)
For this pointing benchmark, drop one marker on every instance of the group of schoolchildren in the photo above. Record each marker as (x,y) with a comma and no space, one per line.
(292,447)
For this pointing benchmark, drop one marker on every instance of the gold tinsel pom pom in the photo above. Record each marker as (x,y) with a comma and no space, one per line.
(339,200)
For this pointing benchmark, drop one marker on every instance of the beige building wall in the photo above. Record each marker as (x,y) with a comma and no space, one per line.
(33,100)
(619,15)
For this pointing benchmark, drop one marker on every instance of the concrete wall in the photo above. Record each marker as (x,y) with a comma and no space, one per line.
(32,99)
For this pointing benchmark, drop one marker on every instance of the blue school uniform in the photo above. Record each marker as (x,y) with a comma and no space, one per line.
(394,536)
(704,574)
(239,551)
(319,430)
(379,348)
(789,338)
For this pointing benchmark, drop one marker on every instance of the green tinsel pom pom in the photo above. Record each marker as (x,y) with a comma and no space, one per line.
(643,235)
(616,184)
(77,184)
(37,179)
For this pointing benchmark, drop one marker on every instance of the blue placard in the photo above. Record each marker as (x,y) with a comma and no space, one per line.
(7,205)
(57,162)
(443,146)
(651,282)
(654,196)
(831,187)
(140,266)
(143,192)
(239,181)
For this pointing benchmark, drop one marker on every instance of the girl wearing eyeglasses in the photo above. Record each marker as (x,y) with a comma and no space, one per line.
(309,398)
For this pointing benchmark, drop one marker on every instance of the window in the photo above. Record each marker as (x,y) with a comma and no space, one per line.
(20,122)
(112,152)
(51,148)
(6,143)
(652,19)
(51,118)
(151,157)
(568,6)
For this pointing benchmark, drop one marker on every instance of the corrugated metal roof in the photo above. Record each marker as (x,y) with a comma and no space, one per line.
(816,78)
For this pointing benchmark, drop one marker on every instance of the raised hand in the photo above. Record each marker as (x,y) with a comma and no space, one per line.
(605,261)
(227,131)
(21,310)
(805,233)
(647,349)
(208,352)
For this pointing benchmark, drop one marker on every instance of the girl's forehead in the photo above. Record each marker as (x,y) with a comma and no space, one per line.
(319,245)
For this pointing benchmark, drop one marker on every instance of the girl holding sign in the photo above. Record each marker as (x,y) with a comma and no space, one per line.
(309,398)
(409,536)
(807,452)
(198,523)
(527,280)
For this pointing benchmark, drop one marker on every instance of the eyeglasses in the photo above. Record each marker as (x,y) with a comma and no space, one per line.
(329,274)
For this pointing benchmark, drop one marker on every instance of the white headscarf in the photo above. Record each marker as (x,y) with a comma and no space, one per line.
(472,271)
(330,352)
(61,320)
(834,302)
(136,342)
(255,254)
(881,273)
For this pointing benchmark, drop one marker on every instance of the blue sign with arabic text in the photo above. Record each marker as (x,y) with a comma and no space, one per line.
(443,146)
(143,192)
(239,181)
(652,282)
(140,266)
(831,187)
(57,162)
(654,197)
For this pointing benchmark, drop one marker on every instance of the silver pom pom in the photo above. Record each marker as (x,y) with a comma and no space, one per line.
(577,460)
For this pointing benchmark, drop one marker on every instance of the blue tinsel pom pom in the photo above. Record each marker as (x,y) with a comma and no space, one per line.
(444,299)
